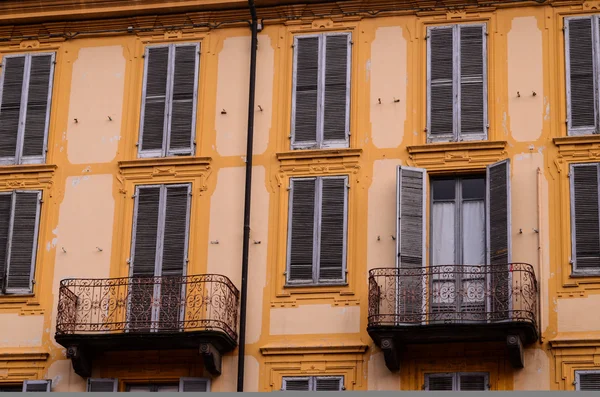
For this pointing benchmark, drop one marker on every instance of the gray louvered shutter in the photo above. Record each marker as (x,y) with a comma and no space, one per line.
(183,103)
(193,385)
(588,381)
(336,95)
(472,382)
(154,100)
(333,229)
(23,241)
(37,386)
(584,217)
(439,382)
(175,235)
(38,105)
(472,82)
(305,92)
(10,104)
(498,230)
(102,385)
(329,383)
(581,99)
(301,229)
(145,231)
(441,84)
(296,384)
(5,210)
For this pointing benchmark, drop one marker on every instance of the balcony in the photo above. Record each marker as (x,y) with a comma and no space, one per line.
(443,304)
(139,313)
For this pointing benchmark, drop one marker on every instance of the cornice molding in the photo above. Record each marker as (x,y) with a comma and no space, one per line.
(27,176)
(350,347)
(457,156)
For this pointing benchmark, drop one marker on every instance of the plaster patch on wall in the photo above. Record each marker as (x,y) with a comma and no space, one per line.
(251,374)
(380,377)
(536,373)
(570,318)
(64,379)
(20,331)
(315,319)
(227,380)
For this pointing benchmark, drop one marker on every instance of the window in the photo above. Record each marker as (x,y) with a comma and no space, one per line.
(317,230)
(587,380)
(37,385)
(313,383)
(25,94)
(184,385)
(102,385)
(457,382)
(456,83)
(7,388)
(19,222)
(321,91)
(585,227)
(168,116)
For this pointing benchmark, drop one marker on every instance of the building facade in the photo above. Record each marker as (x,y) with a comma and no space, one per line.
(425,195)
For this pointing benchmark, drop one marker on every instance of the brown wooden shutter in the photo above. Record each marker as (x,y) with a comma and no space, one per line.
(439,382)
(102,385)
(472,382)
(194,385)
(329,383)
(584,217)
(441,84)
(336,96)
(301,229)
(23,241)
(38,105)
(333,229)
(580,76)
(296,384)
(183,99)
(472,79)
(10,104)
(154,100)
(305,92)
(588,381)
(145,231)
(5,211)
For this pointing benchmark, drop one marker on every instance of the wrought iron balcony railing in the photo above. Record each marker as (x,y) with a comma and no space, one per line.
(164,304)
(453,294)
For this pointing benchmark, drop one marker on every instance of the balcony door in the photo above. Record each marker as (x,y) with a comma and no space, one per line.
(159,258)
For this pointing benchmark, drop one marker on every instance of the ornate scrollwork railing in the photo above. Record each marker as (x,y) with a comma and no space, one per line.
(453,294)
(148,304)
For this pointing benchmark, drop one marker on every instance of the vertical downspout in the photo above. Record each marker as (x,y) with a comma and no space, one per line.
(247,197)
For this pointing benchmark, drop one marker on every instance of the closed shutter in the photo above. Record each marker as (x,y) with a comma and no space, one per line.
(587,380)
(473,382)
(498,230)
(329,383)
(584,217)
(23,241)
(194,385)
(38,106)
(581,82)
(296,384)
(332,229)
(441,84)
(336,96)
(183,104)
(306,91)
(301,229)
(11,89)
(102,385)
(5,211)
(145,231)
(37,385)
(472,82)
(439,382)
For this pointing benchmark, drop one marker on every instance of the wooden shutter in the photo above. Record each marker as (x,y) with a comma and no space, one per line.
(11,89)
(5,215)
(329,383)
(37,385)
(336,100)
(305,95)
(23,241)
(194,385)
(472,382)
(301,229)
(145,231)
(102,385)
(38,107)
(439,382)
(440,92)
(584,217)
(587,380)
(332,251)
(296,384)
(154,101)
(183,102)
(175,235)
(581,82)
(473,97)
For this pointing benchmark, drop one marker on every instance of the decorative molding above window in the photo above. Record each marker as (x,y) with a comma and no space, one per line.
(457,155)
(18,366)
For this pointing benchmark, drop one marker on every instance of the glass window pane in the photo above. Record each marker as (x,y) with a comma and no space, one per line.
(443,234)
(473,188)
(443,189)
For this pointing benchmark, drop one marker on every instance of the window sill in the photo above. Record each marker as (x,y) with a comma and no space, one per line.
(585,274)
(457,156)
(318,154)
(341,284)
(163,162)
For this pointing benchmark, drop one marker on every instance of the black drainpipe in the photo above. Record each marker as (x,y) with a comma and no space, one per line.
(247,197)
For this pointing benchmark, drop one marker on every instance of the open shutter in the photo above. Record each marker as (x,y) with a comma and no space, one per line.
(154,101)
(472,82)
(440,92)
(587,380)
(584,218)
(301,229)
(145,231)
(329,383)
(102,385)
(581,84)
(194,385)
(305,96)
(296,384)
(5,211)
(37,385)
(333,229)
(473,382)
(498,231)
(439,382)
(11,90)
(38,107)
(23,241)
(337,85)
(184,93)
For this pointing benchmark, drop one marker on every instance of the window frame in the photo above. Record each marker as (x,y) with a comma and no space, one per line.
(115,382)
(578,374)
(18,157)
(47,382)
(320,142)
(456,379)
(188,378)
(316,265)
(165,151)
(456,91)
(312,381)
